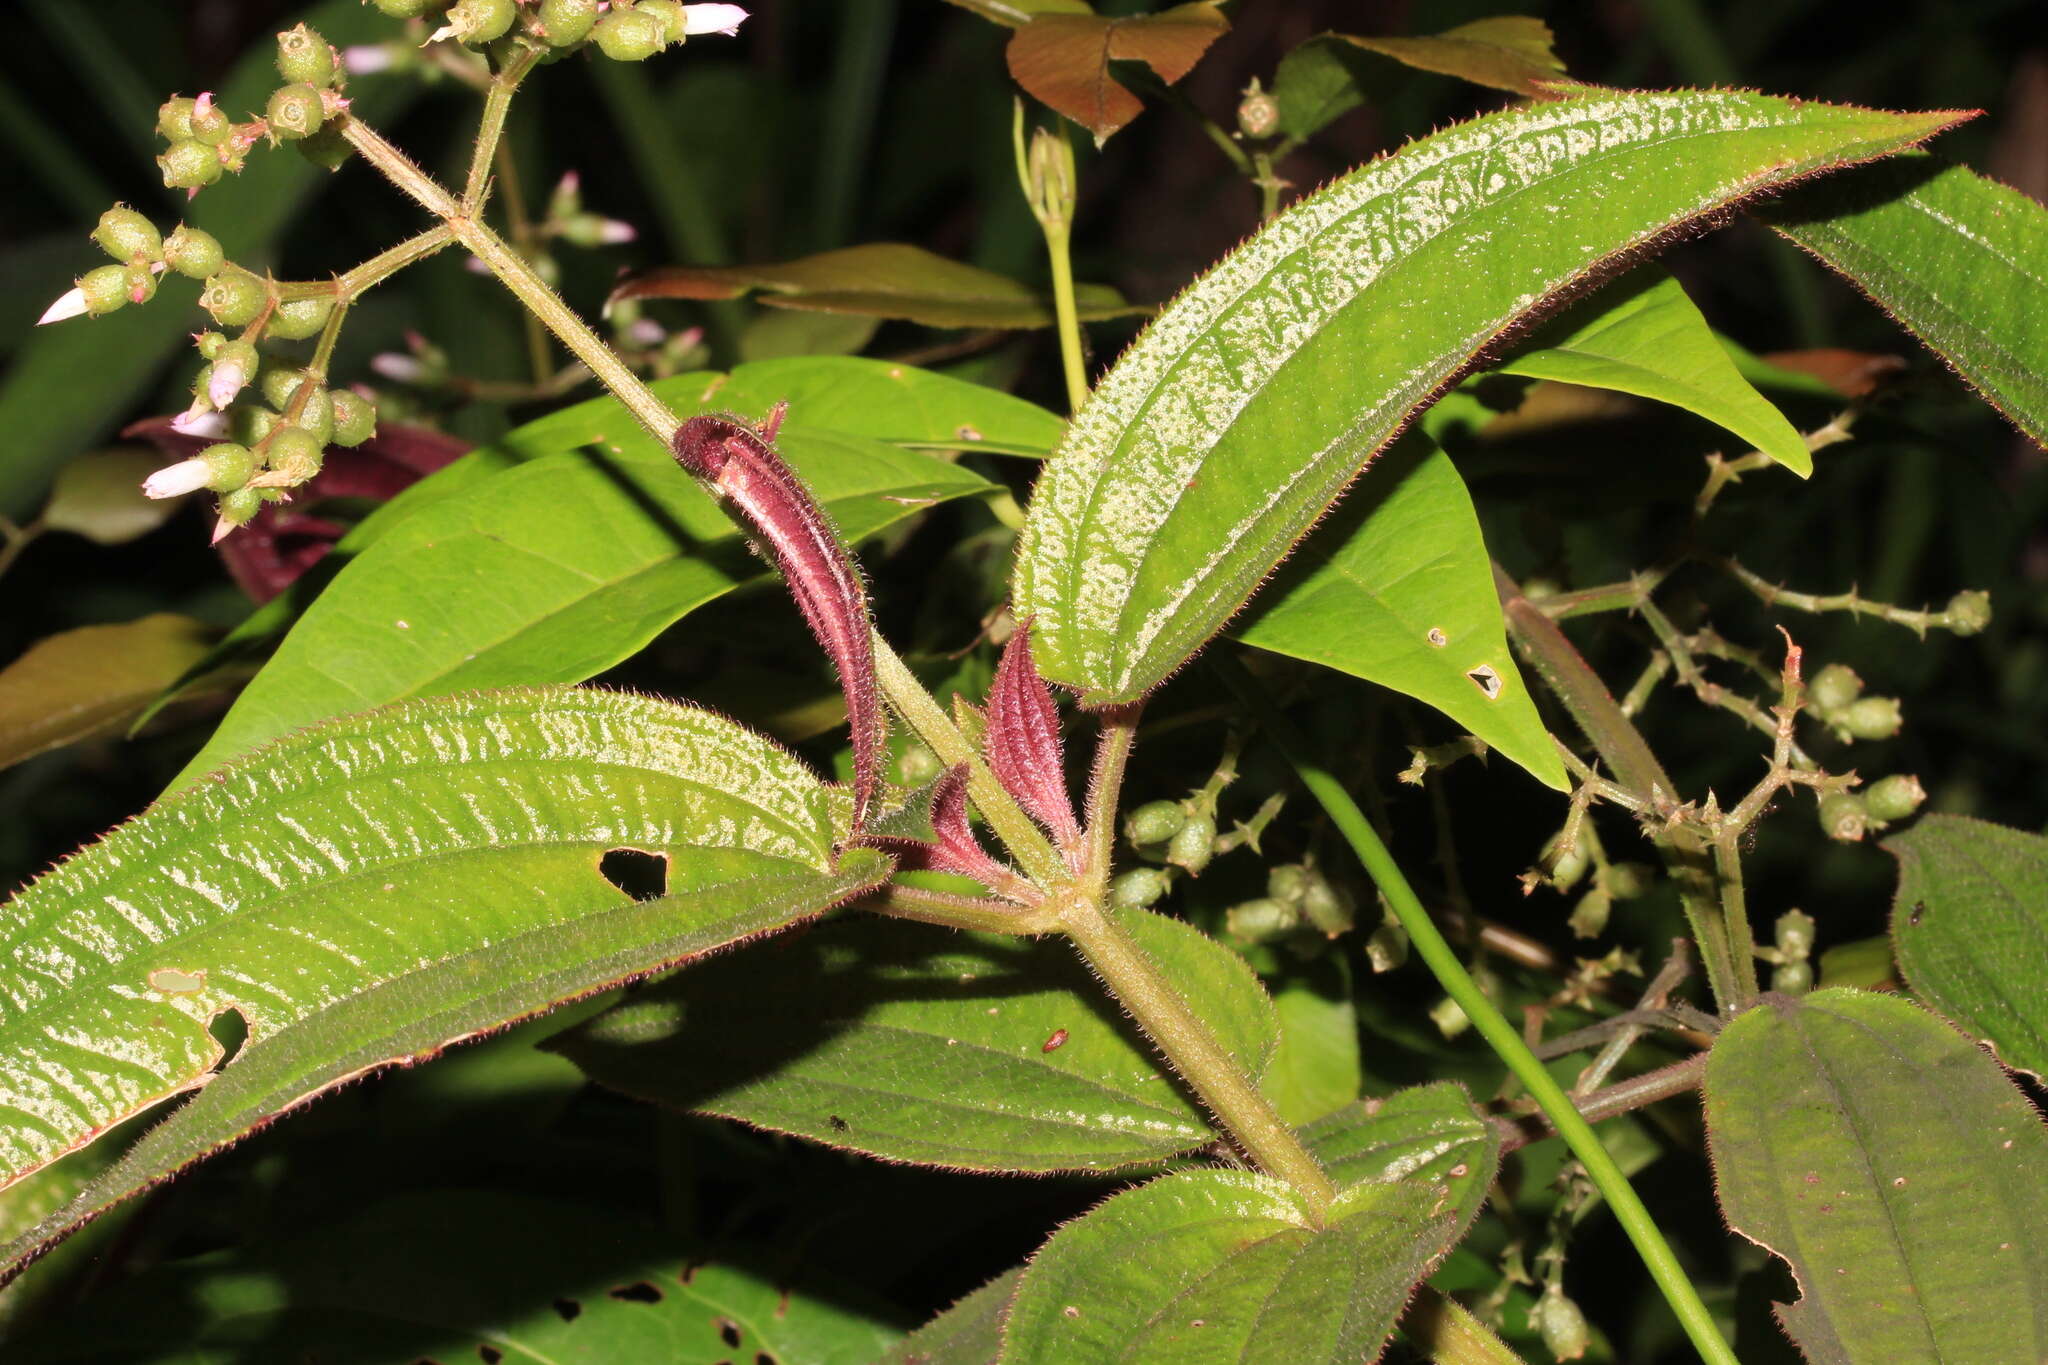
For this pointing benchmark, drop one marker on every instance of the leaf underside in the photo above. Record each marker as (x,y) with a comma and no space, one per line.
(1246,407)
(1898,1171)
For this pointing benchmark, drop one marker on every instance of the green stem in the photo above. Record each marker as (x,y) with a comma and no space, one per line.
(1445,1330)
(520,225)
(958,912)
(497,102)
(1057,240)
(1194,1051)
(1105,785)
(1430,945)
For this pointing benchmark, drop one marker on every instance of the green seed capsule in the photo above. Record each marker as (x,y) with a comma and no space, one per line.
(566,22)
(127,236)
(210,344)
(231,465)
(477,22)
(1154,823)
(1193,845)
(1873,718)
(1894,797)
(1834,687)
(295,453)
(355,421)
(1630,881)
(1842,817)
(316,416)
(233,296)
(1328,906)
(280,385)
(294,111)
(174,119)
(1792,978)
(189,165)
(252,423)
(1567,866)
(627,35)
(1138,888)
(210,124)
(327,149)
(193,253)
(141,283)
(670,13)
(303,55)
(1794,934)
(1261,921)
(300,318)
(240,506)
(1969,612)
(105,289)
(407,9)
(1561,1325)
(1386,947)
(1287,882)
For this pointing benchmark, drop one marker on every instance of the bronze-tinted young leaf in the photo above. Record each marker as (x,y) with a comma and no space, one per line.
(1023,742)
(880,280)
(742,464)
(1243,411)
(1894,1166)
(89,681)
(1509,52)
(1064,59)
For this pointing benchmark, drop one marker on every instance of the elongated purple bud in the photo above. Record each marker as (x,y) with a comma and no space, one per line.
(742,464)
(955,849)
(1023,743)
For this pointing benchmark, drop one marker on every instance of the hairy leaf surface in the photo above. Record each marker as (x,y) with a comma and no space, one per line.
(1428,1133)
(968,1333)
(375,888)
(1961,260)
(1896,1168)
(1971,924)
(1226,1265)
(919,1044)
(1242,412)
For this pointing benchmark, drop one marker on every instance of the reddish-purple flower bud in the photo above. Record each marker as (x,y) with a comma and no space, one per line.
(954,847)
(742,464)
(1023,743)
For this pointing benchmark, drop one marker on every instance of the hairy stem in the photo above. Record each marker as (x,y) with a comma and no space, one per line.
(497,102)
(1445,1330)
(1105,785)
(1486,1019)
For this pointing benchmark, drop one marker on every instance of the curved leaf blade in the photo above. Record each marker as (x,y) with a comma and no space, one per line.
(1242,412)
(89,681)
(1510,52)
(968,1333)
(1428,1133)
(1398,589)
(1225,1265)
(1970,921)
(386,873)
(1959,259)
(922,1045)
(1895,1167)
(1647,338)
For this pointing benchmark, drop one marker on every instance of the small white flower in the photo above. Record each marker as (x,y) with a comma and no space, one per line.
(613,232)
(211,426)
(366,59)
(403,369)
(69,304)
(646,332)
(725,19)
(174,481)
(227,379)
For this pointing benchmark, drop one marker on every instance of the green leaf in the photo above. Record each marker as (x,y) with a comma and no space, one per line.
(1645,337)
(549,572)
(1962,261)
(919,1044)
(373,889)
(447,1274)
(1232,423)
(1428,1133)
(89,681)
(99,496)
(1226,1265)
(1971,923)
(1508,52)
(879,280)
(1315,1067)
(968,1333)
(1398,589)
(1316,84)
(1896,1168)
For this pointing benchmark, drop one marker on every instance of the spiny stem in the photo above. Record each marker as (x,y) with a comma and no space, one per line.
(1486,1019)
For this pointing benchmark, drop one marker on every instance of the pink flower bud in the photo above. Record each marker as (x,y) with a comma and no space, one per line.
(366,59)
(227,379)
(196,421)
(69,304)
(1023,743)
(725,19)
(400,369)
(175,481)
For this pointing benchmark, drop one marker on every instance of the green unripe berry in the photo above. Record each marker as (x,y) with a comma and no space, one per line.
(1628,881)
(1792,978)
(294,453)
(406,9)
(303,55)
(229,465)
(193,253)
(1192,845)
(1287,882)
(252,423)
(627,35)
(566,22)
(1794,933)
(1873,718)
(210,344)
(1261,920)
(1842,817)
(327,149)
(1567,866)
(1561,1325)
(670,13)
(298,319)
(294,111)
(1590,913)
(1894,798)
(233,296)
(105,289)
(316,416)
(239,507)
(1138,888)
(355,421)
(1154,822)
(174,119)
(280,385)
(189,165)
(477,22)
(141,282)
(1386,947)
(1969,612)
(210,124)
(126,235)
(1328,906)
(1835,687)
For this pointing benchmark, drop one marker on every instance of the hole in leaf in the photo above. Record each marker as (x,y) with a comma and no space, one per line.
(1486,680)
(639,874)
(639,1292)
(728,1331)
(763,1358)
(568,1309)
(230,1030)
(490,1355)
